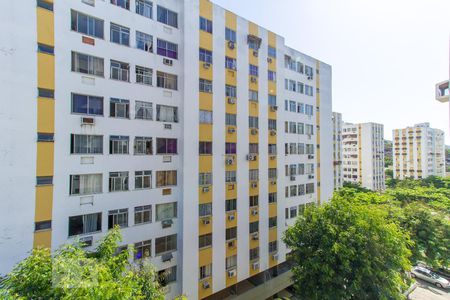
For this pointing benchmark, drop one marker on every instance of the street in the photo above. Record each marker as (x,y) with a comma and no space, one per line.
(427,291)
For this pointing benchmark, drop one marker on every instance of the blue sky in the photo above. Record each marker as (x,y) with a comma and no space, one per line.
(386,55)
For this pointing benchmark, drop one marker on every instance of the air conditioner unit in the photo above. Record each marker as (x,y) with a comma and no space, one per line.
(273,157)
(231,244)
(231,217)
(273,182)
(167,126)
(254,131)
(167,257)
(273,132)
(166,223)
(253,79)
(167,62)
(269,60)
(205,189)
(231,273)
(275,256)
(254,212)
(254,185)
(311,176)
(206,221)
(255,265)
(86,241)
(310,156)
(251,157)
(310,77)
(87,121)
(205,285)
(255,236)
(231,100)
(231,45)
(229,161)
(255,53)
(231,130)
(292,178)
(206,65)
(273,108)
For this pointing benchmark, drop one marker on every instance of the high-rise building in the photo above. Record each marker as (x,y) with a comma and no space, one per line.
(337,150)
(363,155)
(199,133)
(419,152)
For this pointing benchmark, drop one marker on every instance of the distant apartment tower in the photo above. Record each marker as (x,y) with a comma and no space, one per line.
(419,152)
(199,133)
(337,150)
(363,155)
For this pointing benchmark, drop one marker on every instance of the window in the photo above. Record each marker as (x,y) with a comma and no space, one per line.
(118,181)
(143,145)
(309,110)
(230,35)
(272,197)
(143,250)
(205,271)
(230,176)
(230,148)
(231,233)
(167,276)
(272,100)
(272,52)
(205,241)
(230,119)
(309,188)
(293,212)
(230,91)
(231,262)
(144,75)
(301,189)
(166,211)
(85,224)
(86,144)
(205,56)
(166,146)
(205,148)
(272,124)
(144,8)
(120,71)
(230,205)
(254,253)
(253,148)
(253,122)
(205,210)
(119,34)
(300,128)
(206,25)
(309,129)
(301,148)
(167,49)
(292,106)
(86,24)
(87,64)
(253,201)
(45,137)
(272,222)
(118,217)
(89,105)
(205,86)
(119,144)
(272,173)
(44,180)
(309,90)
(253,95)
(166,178)
(309,71)
(205,179)
(253,70)
(143,110)
(142,180)
(142,214)
(165,244)
(166,113)
(86,184)
(46,49)
(230,63)
(272,76)
(273,247)
(43,225)
(206,117)
(122,3)
(45,5)
(167,17)
(144,41)
(272,149)
(254,175)
(46,93)
(167,81)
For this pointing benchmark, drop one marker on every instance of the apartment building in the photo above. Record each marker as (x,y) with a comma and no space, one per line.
(419,152)
(337,150)
(363,155)
(167,118)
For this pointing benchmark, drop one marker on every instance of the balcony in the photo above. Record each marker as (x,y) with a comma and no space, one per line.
(442,91)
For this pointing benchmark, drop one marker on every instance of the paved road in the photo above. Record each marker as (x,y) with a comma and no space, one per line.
(427,291)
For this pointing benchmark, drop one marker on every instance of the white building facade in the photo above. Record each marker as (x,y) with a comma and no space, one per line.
(172,119)
(419,152)
(363,155)
(337,150)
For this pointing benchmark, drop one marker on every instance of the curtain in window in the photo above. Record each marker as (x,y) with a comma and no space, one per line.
(90,223)
(165,211)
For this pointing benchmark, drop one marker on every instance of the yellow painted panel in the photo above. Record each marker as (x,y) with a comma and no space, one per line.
(253,243)
(42,239)
(205,256)
(231,77)
(230,20)
(231,137)
(253,272)
(272,210)
(204,228)
(44,203)
(205,197)
(206,40)
(272,39)
(231,192)
(205,131)
(252,59)
(44,160)
(253,218)
(272,87)
(228,223)
(272,114)
(203,293)
(205,103)
(272,139)
(45,27)
(272,262)
(253,108)
(46,71)
(230,251)
(253,28)
(205,163)
(273,234)
(254,164)
(205,72)
(46,116)
(206,9)
(272,163)
(231,52)
(230,108)
(232,167)
(272,66)
(230,281)
(253,138)
(272,188)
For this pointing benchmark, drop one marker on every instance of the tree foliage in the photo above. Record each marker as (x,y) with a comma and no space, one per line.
(343,250)
(72,273)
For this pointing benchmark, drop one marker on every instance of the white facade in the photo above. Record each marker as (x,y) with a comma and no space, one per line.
(419,152)
(108,159)
(337,150)
(363,155)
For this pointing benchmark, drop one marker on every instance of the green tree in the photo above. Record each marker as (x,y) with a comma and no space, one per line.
(345,250)
(72,273)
